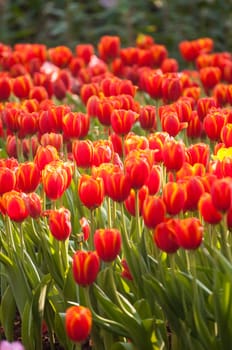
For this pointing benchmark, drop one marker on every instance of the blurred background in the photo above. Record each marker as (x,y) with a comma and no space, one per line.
(67,22)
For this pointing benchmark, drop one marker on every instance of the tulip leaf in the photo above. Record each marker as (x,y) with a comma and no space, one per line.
(8,313)
(122,346)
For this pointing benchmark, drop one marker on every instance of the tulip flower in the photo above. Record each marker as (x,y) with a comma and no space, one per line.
(204,104)
(164,236)
(107,243)
(118,186)
(189,233)
(91,191)
(27,177)
(45,155)
(108,47)
(78,323)
(147,118)
(59,222)
(5,88)
(221,193)
(54,181)
(207,209)
(194,188)
(123,120)
(15,206)
(7,179)
(85,267)
(33,204)
(60,55)
(174,197)
(21,86)
(153,211)
(173,154)
(83,153)
(130,200)
(138,166)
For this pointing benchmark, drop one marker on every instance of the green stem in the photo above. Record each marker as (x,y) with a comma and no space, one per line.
(109,212)
(125,234)
(137,215)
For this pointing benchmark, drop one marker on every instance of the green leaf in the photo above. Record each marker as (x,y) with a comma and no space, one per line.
(122,346)
(8,312)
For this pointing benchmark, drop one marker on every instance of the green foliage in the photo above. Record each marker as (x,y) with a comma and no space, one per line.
(71,22)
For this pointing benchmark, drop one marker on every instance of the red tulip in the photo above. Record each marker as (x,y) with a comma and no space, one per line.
(91,191)
(7,179)
(54,180)
(14,204)
(108,47)
(83,153)
(60,55)
(118,186)
(174,197)
(194,189)
(34,206)
(78,323)
(165,236)
(189,233)
(59,222)
(21,86)
(85,267)
(27,177)
(130,201)
(84,51)
(173,154)
(122,120)
(207,209)
(154,180)
(107,243)
(138,166)
(147,118)
(154,211)
(221,193)
(45,155)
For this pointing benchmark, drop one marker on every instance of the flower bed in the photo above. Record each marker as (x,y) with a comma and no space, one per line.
(115,185)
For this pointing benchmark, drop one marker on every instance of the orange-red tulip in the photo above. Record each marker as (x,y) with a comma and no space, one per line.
(78,323)
(59,222)
(91,191)
(85,267)
(27,177)
(107,243)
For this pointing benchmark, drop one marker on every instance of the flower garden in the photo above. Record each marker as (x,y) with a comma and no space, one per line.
(115,196)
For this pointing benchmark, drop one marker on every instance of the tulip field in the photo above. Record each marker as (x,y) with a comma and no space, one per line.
(115,196)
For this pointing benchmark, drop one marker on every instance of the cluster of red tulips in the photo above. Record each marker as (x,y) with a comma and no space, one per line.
(120,159)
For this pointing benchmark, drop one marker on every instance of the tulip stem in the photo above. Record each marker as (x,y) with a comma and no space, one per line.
(137,214)
(109,212)
(125,235)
